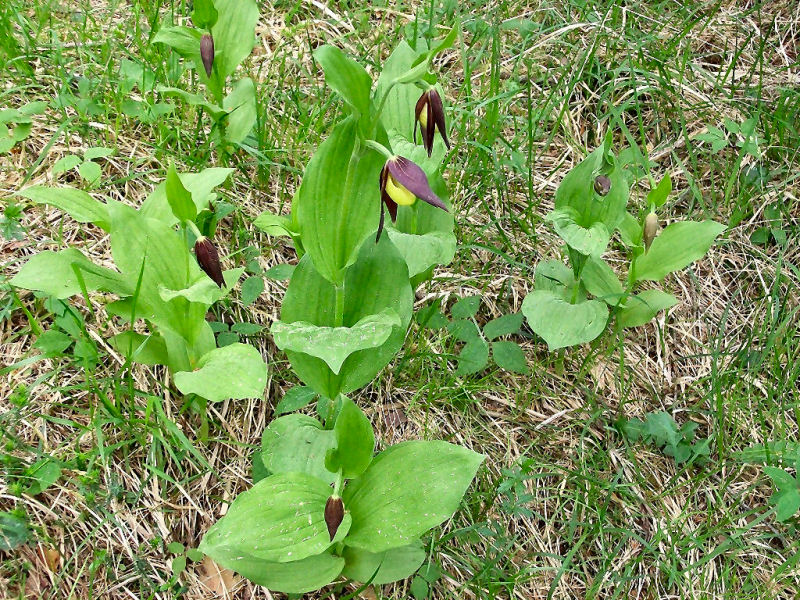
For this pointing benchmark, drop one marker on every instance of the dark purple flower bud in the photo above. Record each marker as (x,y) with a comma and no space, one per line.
(334,513)
(208,259)
(402,182)
(207,52)
(602,185)
(429,113)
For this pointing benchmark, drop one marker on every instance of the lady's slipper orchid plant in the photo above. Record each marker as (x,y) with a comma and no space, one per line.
(345,315)
(402,182)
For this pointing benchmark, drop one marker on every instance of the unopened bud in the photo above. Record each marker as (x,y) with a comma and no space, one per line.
(602,185)
(208,259)
(650,229)
(334,513)
(207,52)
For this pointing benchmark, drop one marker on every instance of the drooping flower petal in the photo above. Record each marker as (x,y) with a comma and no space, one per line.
(386,202)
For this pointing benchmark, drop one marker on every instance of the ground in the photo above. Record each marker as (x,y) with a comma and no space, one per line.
(566,506)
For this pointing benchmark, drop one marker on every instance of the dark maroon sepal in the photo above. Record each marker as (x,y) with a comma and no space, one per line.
(207,53)
(334,513)
(437,112)
(208,259)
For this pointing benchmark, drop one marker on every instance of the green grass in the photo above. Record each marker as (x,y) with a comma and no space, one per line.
(567,506)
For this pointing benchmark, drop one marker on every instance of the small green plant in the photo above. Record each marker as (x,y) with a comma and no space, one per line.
(182,555)
(158,283)
(14,530)
(776,456)
(10,226)
(478,343)
(88,168)
(292,532)
(134,75)
(591,204)
(775,230)
(786,497)
(16,124)
(222,37)
(661,430)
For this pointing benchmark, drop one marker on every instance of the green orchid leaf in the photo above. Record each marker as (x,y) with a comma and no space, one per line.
(150,248)
(338,202)
(676,247)
(200,185)
(204,14)
(355,442)
(335,344)
(588,207)
(235,371)
(641,308)
(407,490)
(234,35)
(296,398)
(216,112)
(601,281)
(62,275)
(555,276)
(280,519)
(297,444)
(376,282)
(659,194)
(76,203)
(142,349)
(241,107)
(346,77)
(184,40)
(630,231)
(562,324)
(275,225)
(179,198)
(421,252)
(296,577)
(591,241)
(203,291)
(392,565)
(396,114)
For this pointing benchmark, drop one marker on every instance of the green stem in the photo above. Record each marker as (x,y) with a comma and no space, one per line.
(414,214)
(191,225)
(377,146)
(377,117)
(338,319)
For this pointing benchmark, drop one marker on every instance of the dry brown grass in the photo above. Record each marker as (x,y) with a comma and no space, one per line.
(550,416)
